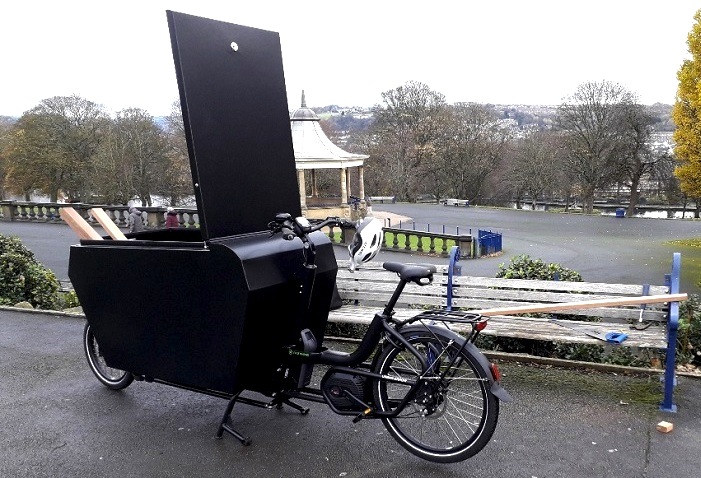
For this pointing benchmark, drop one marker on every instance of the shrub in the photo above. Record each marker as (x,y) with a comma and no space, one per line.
(67,300)
(22,278)
(689,332)
(523,267)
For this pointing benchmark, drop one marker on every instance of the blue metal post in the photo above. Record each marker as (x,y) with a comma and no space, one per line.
(672,325)
(454,257)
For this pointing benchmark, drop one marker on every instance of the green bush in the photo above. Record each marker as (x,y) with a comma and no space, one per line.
(523,267)
(689,332)
(68,299)
(22,278)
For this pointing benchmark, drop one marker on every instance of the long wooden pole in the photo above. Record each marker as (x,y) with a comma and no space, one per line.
(585,304)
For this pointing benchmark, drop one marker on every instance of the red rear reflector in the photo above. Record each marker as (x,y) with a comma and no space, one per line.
(495,372)
(481,325)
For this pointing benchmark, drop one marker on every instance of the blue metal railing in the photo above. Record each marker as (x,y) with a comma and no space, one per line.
(489,242)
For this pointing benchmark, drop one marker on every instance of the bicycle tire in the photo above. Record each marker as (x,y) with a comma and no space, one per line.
(448,420)
(110,377)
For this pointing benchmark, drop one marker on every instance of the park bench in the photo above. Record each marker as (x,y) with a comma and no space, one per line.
(383,199)
(651,326)
(455,202)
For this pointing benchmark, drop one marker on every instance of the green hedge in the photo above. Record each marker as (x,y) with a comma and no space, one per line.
(22,278)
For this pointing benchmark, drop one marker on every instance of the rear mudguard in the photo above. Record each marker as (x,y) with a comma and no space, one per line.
(470,349)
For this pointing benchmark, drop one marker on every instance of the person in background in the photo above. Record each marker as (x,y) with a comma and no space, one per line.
(172,218)
(136,220)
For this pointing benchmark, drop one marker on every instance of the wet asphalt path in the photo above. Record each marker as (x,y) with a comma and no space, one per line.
(59,421)
(601,248)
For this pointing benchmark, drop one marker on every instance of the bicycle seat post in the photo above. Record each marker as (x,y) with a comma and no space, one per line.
(389,307)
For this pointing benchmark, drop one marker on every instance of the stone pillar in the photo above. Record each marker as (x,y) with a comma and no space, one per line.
(361,183)
(348,184)
(7,207)
(302,189)
(344,191)
(315,189)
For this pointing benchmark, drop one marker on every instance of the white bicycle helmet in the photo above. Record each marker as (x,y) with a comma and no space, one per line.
(367,242)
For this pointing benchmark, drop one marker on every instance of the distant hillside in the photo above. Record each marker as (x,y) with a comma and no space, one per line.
(353,119)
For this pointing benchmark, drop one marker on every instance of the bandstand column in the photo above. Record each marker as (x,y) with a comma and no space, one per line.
(315,190)
(348,184)
(361,183)
(344,190)
(302,189)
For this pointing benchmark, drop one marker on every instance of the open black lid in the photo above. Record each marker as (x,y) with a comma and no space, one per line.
(237,124)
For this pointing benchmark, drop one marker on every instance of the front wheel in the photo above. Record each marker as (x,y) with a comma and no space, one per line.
(110,377)
(446,419)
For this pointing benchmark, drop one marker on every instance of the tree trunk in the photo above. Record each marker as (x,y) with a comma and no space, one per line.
(588,202)
(634,196)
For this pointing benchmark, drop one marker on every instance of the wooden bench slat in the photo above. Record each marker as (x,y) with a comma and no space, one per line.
(524,327)
(371,287)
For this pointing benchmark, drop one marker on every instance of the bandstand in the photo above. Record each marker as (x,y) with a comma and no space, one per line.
(313,151)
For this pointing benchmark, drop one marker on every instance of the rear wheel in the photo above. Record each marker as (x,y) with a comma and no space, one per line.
(447,419)
(110,377)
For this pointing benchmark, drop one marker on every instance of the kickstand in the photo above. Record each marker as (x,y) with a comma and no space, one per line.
(282,399)
(224,426)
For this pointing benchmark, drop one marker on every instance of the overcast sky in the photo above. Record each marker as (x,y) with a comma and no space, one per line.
(118,53)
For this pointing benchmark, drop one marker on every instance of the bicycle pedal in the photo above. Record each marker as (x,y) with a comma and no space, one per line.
(362,415)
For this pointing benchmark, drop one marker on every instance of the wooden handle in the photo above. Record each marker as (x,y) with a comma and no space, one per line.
(79,225)
(586,304)
(107,224)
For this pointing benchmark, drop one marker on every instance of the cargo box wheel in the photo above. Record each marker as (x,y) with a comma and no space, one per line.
(110,377)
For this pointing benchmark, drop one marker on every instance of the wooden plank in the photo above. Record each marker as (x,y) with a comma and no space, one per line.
(107,224)
(79,225)
(593,287)
(587,304)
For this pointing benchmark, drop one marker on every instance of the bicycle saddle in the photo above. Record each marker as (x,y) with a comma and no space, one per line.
(411,272)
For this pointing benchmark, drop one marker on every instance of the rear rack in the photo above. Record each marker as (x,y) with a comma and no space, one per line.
(451,316)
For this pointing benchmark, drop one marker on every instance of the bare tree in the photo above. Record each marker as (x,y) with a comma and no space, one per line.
(592,121)
(534,164)
(473,148)
(6,131)
(176,179)
(54,146)
(135,157)
(638,155)
(407,126)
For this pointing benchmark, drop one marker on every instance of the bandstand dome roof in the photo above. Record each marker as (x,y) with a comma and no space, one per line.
(312,148)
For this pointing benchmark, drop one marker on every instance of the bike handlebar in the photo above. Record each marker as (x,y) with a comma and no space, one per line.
(300,227)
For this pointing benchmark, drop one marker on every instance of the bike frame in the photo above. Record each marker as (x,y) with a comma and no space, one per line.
(382,325)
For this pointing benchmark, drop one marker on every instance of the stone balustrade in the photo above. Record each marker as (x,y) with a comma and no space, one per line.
(421,242)
(396,239)
(49,213)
